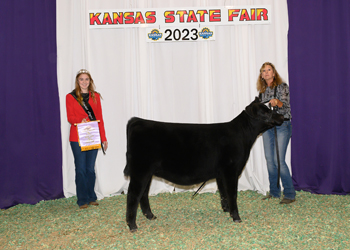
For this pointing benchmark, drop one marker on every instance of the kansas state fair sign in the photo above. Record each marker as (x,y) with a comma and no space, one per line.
(186,16)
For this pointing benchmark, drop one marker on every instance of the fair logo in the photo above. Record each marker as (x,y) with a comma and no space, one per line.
(155,35)
(205,33)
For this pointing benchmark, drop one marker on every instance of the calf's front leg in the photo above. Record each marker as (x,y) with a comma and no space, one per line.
(230,182)
(223,195)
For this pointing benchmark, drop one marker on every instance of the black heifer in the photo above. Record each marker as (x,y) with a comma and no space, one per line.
(188,154)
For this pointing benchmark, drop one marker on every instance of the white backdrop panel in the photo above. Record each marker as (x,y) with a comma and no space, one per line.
(187,82)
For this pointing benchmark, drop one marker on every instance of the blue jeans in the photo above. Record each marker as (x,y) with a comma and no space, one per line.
(84,173)
(284,133)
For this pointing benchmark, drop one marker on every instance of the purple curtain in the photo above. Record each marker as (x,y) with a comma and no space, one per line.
(319,78)
(31,154)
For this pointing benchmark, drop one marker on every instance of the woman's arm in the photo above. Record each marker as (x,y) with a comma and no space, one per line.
(283,99)
(71,114)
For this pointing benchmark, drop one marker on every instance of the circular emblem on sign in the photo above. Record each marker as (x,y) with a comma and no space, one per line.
(206,33)
(155,35)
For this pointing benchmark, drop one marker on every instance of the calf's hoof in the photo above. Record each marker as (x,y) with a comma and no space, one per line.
(153,218)
(133,228)
(150,216)
(237,220)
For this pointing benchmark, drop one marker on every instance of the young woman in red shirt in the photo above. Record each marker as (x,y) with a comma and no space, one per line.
(84,105)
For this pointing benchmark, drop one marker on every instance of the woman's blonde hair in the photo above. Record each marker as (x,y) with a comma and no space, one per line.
(91,87)
(261,83)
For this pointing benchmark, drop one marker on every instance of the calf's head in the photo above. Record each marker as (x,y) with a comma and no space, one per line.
(262,114)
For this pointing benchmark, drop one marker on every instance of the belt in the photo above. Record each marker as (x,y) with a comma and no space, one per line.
(286,120)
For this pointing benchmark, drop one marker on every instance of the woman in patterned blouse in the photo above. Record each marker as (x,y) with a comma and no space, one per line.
(273,90)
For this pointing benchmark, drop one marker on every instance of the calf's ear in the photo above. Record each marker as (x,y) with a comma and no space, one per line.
(257,99)
(250,110)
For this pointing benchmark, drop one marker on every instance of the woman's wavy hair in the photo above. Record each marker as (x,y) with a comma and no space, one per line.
(91,87)
(261,83)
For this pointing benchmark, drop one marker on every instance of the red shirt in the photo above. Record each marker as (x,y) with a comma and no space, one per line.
(76,113)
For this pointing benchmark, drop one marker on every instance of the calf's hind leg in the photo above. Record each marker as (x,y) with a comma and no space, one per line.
(144,203)
(135,192)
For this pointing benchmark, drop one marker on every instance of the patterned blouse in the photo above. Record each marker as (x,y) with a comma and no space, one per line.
(282,94)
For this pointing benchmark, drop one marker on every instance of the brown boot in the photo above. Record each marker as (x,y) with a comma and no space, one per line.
(269,196)
(83,206)
(286,201)
(93,203)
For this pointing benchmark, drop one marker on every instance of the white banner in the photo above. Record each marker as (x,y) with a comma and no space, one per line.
(89,135)
(185,34)
(155,17)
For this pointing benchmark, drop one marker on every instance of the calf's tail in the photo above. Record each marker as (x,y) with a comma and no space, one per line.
(127,169)
(129,127)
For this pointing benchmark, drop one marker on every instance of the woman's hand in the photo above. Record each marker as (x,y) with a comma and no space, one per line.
(105,145)
(84,120)
(276,102)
